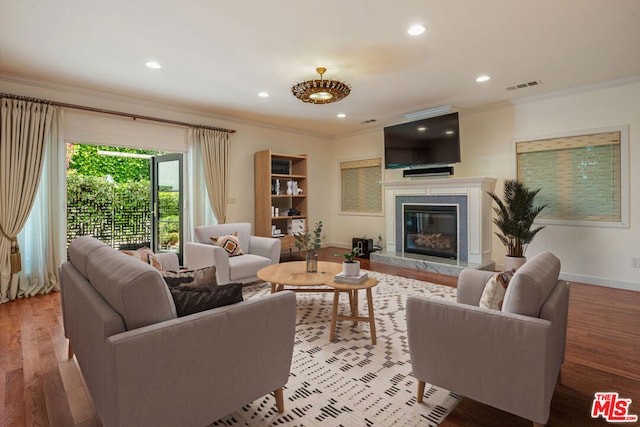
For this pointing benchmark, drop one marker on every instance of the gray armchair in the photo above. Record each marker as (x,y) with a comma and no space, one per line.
(508,359)
(259,252)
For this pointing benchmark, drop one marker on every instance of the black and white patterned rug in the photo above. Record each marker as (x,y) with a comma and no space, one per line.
(350,382)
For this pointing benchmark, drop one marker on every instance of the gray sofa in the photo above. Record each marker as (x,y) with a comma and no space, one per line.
(143,366)
(510,358)
(259,252)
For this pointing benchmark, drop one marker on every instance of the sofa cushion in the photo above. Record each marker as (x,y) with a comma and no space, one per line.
(189,300)
(132,288)
(81,250)
(495,289)
(531,285)
(195,278)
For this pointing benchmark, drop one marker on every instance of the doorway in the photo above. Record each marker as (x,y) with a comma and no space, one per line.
(128,198)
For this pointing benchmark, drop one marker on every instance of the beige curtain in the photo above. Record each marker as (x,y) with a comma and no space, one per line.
(215,159)
(24,126)
(43,237)
(197,206)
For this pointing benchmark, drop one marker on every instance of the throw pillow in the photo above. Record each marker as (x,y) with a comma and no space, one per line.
(189,300)
(229,243)
(155,262)
(145,255)
(494,290)
(195,278)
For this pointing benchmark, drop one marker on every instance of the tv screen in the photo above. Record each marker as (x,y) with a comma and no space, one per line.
(432,141)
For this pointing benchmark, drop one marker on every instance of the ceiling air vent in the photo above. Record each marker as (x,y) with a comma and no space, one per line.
(525,85)
(369,121)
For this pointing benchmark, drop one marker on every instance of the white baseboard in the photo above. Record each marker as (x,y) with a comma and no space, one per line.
(593,280)
(600,281)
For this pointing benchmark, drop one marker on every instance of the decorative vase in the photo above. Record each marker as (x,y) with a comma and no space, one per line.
(513,262)
(289,187)
(312,261)
(351,268)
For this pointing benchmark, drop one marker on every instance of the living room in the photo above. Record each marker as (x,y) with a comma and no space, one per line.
(600,256)
(595,255)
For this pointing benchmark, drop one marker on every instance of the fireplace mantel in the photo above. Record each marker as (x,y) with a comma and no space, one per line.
(479,225)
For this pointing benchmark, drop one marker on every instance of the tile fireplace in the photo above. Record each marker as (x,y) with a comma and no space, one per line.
(440,225)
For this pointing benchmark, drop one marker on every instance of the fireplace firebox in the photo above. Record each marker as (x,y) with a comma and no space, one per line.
(431,230)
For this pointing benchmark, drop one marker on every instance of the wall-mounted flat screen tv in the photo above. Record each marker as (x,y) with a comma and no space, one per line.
(426,142)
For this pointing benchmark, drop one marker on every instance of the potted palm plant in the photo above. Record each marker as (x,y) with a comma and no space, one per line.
(514,218)
(350,267)
(310,242)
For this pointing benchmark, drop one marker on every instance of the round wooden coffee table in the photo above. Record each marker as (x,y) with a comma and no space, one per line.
(295,274)
(292,276)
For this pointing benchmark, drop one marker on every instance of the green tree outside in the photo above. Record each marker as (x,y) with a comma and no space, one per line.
(85,160)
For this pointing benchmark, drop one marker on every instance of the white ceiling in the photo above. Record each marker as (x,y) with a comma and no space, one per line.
(217,55)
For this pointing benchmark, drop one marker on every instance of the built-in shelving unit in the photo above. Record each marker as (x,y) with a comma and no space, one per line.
(280,187)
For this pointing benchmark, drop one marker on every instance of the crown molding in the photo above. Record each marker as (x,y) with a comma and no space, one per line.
(101,96)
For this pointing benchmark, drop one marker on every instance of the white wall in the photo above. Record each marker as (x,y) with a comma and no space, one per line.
(589,254)
(343,227)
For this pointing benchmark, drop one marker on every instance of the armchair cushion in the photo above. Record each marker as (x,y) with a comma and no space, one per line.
(189,300)
(246,265)
(229,243)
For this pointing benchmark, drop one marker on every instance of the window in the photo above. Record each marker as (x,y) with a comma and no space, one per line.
(582,178)
(361,189)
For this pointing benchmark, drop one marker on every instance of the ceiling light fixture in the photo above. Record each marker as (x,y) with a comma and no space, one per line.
(320,91)
(416,30)
(154,65)
(263,95)
(483,78)
(341,115)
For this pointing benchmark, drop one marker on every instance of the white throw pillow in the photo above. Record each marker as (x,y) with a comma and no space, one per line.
(229,243)
(494,290)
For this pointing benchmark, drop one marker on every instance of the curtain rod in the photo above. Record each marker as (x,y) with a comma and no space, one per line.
(114,113)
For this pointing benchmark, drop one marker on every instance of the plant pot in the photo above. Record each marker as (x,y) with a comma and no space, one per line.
(513,262)
(351,268)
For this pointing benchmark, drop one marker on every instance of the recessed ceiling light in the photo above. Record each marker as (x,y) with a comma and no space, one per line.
(483,78)
(341,115)
(263,95)
(154,65)
(449,132)
(416,30)
(422,129)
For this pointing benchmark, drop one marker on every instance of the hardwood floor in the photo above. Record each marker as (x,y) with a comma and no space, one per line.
(40,386)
